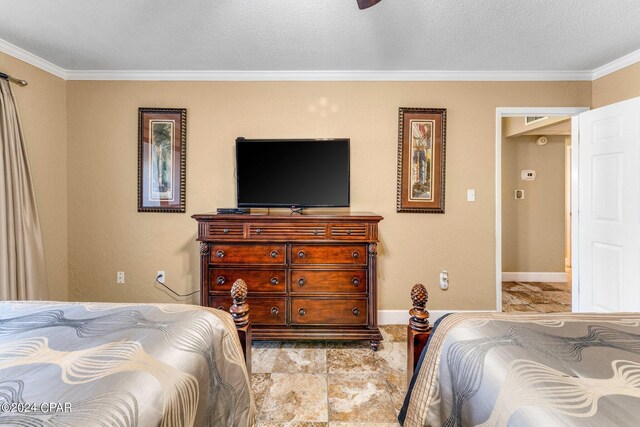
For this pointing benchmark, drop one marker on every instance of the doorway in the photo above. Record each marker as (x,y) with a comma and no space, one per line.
(535,267)
(533,260)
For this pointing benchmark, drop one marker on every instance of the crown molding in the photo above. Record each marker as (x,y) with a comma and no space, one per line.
(328,75)
(616,65)
(317,75)
(30,58)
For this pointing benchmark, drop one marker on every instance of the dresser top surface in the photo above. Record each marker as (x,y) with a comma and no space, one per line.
(312,214)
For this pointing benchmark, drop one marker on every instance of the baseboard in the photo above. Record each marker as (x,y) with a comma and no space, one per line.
(401,317)
(534,277)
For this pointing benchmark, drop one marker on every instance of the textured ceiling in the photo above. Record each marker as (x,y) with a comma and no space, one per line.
(461,35)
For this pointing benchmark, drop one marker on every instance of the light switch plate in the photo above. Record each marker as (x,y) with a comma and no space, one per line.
(471,195)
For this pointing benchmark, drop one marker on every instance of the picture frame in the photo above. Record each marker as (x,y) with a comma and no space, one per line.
(162,150)
(421,159)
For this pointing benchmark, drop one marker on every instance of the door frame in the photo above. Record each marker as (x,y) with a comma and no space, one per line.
(573,112)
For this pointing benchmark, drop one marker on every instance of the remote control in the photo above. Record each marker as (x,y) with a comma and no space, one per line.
(233,211)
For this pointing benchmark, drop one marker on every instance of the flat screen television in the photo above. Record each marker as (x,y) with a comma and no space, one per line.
(295,173)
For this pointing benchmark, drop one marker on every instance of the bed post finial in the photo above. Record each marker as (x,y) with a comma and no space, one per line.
(240,313)
(418,329)
(419,315)
(240,309)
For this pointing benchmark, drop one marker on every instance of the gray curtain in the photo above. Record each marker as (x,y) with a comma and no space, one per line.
(23,273)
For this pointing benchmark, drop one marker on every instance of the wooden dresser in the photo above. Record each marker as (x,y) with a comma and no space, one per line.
(310,276)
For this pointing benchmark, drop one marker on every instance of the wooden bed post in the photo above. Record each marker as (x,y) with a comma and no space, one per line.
(240,312)
(418,330)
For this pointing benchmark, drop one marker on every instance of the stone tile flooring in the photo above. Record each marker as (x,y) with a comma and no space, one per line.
(536,297)
(345,384)
(334,383)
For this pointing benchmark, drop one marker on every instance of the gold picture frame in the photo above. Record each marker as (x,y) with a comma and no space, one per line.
(421,159)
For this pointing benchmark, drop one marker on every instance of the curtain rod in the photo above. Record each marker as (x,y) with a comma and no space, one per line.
(13,79)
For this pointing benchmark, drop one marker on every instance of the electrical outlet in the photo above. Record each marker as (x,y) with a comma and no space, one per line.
(444,280)
(120,278)
(160,277)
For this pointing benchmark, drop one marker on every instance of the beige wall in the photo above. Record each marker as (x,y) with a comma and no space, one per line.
(618,86)
(98,172)
(106,233)
(533,229)
(43,110)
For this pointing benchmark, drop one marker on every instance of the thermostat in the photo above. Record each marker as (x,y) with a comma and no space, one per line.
(528,175)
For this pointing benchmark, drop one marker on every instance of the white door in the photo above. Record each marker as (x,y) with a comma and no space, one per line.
(609,208)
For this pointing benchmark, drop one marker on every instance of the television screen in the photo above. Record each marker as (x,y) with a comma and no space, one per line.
(292,173)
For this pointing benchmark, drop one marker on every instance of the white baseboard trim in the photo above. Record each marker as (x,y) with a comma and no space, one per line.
(401,317)
(534,276)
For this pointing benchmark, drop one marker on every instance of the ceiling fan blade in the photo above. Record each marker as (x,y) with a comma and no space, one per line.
(363,4)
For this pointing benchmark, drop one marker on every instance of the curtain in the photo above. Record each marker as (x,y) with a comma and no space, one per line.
(23,273)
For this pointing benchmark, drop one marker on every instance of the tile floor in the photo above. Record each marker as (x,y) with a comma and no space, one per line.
(345,384)
(334,384)
(536,297)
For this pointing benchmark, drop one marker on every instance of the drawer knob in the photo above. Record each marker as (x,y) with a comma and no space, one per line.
(348,232)
(225,231)
(315,232)
(302,254)
(356,312)
(355,281)
(258,230)
(221,280)
(274,311)
(220,307)
(220,253)
(301,281)
(274,254)
(274,281)
(355,254)
(302,312)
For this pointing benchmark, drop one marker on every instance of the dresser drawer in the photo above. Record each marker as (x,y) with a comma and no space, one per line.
(247,254)
(349,231)
(221,279)
(287,231)
(329,281)
(310,311)
(223,231)
(329,254)
(263,311)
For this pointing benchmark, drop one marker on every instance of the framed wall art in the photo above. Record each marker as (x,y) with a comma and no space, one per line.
(162,149)
(421,159)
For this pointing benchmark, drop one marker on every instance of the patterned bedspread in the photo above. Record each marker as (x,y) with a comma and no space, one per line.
(498,369)
(68,364)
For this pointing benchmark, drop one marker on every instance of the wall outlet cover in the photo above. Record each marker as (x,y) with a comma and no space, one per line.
(444,280)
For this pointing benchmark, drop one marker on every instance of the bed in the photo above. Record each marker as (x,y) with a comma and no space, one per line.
(67,364)
(499,369)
